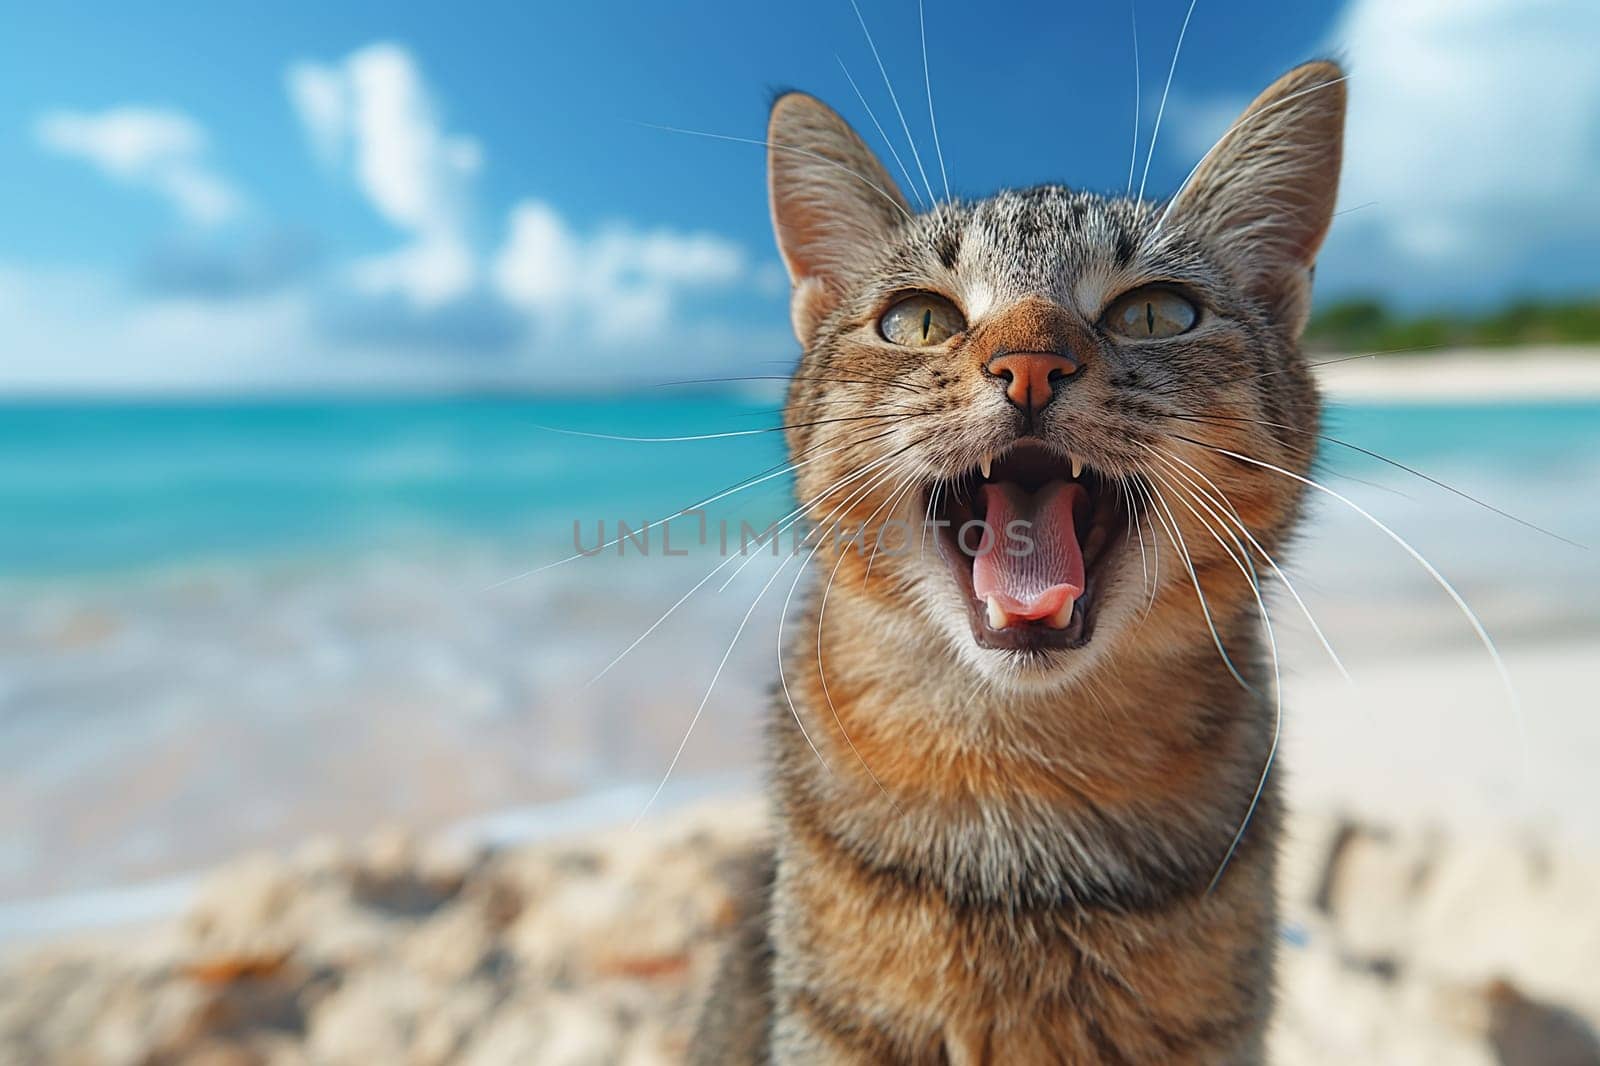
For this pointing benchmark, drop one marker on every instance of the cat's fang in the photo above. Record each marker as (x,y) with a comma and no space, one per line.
(986,464)
(1077,468)
(1063,616)
(998,618)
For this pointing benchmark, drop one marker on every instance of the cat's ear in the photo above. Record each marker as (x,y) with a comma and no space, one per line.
(833,204)
(1266,191)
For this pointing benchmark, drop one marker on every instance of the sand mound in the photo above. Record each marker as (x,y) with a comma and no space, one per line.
(1398,948)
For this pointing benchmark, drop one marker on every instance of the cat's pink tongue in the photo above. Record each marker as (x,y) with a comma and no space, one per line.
(1029,565)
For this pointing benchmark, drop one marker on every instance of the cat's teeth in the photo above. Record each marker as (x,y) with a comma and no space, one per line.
(998,619)
(1077,466)
(985,465)
(1062,617)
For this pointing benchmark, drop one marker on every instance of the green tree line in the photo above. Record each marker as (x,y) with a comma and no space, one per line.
(1365,323)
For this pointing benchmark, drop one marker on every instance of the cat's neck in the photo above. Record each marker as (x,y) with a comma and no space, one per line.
(1142,773)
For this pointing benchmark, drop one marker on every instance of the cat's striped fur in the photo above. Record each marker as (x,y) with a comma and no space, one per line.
(996,856)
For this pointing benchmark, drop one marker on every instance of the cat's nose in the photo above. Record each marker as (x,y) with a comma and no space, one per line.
(1031,377)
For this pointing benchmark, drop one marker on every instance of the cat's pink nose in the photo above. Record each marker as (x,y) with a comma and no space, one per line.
(1031,376)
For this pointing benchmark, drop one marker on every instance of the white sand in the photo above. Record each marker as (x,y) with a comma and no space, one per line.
(1436,740)
(1398,949)
(1466,374)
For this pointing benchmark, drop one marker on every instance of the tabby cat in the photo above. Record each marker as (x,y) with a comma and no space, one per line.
(1023,811)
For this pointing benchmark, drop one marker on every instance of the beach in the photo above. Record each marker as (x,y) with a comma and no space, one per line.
(377,677)
(595,948)
(1565,372)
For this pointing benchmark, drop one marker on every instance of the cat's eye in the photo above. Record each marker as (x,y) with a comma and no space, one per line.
(1151,314)
(921,321)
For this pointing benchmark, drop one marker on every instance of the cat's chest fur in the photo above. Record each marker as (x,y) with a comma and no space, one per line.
(898,956)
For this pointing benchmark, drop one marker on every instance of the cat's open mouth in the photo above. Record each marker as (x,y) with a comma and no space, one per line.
(1026,541)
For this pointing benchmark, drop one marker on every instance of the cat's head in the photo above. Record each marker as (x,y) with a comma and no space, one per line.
(1065,370)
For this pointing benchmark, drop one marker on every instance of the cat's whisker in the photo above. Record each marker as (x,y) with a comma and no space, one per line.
(1380,457)
(1170,523)
(822,677)
(700,710)
(668,613)
(878,539)
(1432,571)
(1232,512)
(1240,556)
(972,694)
(1357,207)
(1277,701)
(1144,520)
(1144,563)
(825,528)
(874,186)
(743,485)
(783,679)
(1252,116)
(911,184)
(894,99)
(688,437)
(824,402)
(1162,110)
(1138,89)
(787,520)
(927,85)
(1215,383)
(1376,486)
(722,664)
(799,513)
(791,377)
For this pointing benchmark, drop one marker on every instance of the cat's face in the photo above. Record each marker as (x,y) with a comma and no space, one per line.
(1024,403)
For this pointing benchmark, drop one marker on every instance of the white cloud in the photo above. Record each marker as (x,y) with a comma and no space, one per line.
(431,271)
(161,150)
(84,332)
(1472,147)
(620,285)
(436,311)
(80,331)
(373,114)
(1473,123)
(319,98)
(539,266)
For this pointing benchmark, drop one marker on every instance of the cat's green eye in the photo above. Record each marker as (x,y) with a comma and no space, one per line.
(1151,314)
(921,321)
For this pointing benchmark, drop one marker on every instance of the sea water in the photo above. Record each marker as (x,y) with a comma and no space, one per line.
(226,624)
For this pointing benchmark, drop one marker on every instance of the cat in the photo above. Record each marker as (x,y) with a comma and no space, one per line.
(1022,808)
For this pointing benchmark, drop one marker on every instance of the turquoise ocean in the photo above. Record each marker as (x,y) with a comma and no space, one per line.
(235,623)
(98,488)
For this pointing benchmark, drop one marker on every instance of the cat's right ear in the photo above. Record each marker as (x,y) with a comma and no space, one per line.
(1266,190)
(833,204)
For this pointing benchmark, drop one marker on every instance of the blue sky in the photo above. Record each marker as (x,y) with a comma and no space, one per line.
(363,196)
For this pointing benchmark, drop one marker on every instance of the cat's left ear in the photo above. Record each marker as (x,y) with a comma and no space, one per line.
(833,204)
(1266,191)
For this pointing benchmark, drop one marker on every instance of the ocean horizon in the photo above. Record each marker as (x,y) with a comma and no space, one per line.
(106,484)
(228,624)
